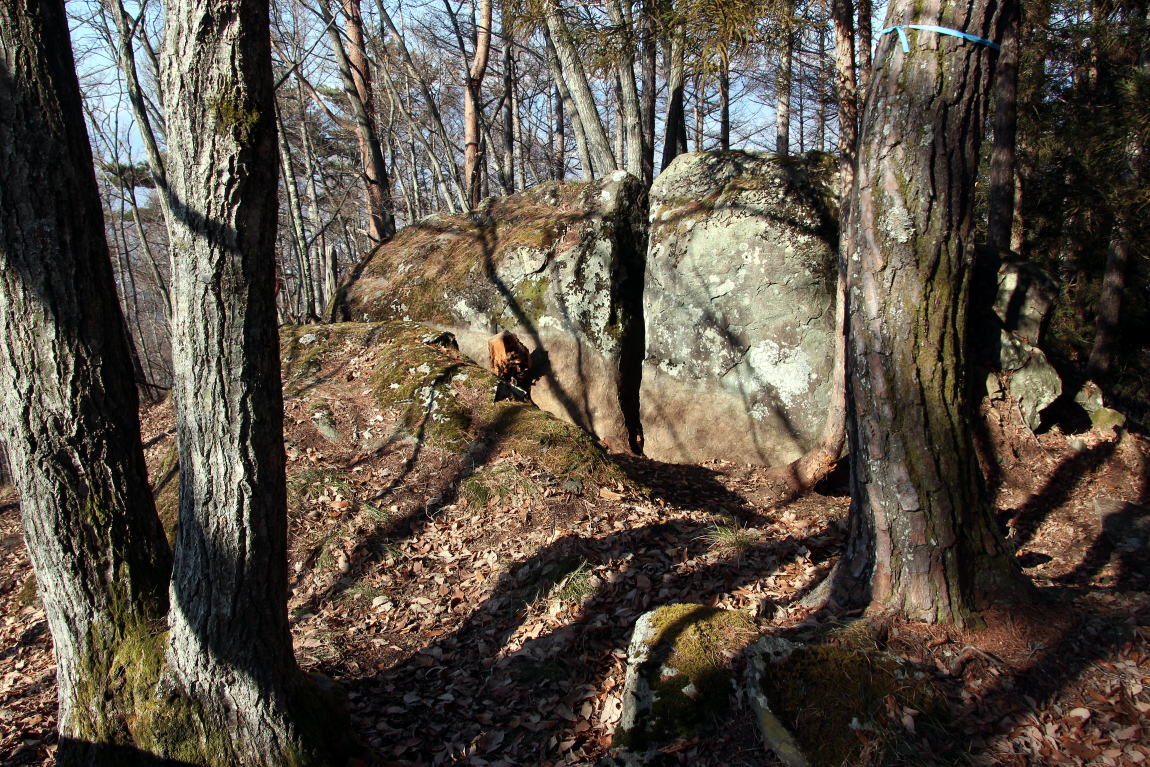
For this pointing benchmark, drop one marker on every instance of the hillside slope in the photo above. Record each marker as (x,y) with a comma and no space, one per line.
(470,571)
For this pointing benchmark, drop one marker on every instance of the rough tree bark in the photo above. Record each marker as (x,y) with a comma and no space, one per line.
(1000,203)
(923,542)
(67,400)
(229,655)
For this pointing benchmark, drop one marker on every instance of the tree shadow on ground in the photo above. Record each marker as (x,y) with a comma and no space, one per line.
(1057,490)
(477,659)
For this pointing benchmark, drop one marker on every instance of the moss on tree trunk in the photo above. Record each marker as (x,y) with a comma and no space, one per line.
(923,538)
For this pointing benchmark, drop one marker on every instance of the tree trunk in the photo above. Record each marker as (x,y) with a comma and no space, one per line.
(356,79)
(675,127)
(1000,217)
(1110,300)
(125,27)
(471,96)
(509,109)
(629,92)
(820,92)
(297,236)
(725,104)
(649,50)
(783,99)
(229,654)
(558,139)
(846,90)
(569,107)
(865,44)
(923,541)
(575,77)
(67,401)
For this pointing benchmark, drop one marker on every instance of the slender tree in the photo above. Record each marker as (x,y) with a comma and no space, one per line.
(574,76)
(472,96)
(355,74)
(783,98)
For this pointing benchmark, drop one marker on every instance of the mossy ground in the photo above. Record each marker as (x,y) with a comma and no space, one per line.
(849,705)
(444,400)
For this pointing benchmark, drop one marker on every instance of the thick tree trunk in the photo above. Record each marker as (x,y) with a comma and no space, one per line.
(471,96)
(229,653)
(923,539)
(1110,301)
(67,400)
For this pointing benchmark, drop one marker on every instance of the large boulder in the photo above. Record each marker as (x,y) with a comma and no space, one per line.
(560,265)
(739,307)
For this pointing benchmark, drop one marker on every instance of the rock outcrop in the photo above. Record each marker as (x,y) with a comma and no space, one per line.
(560,265)
(1008,341)
(739,307)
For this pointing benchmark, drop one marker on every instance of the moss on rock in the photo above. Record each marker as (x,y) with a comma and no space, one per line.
(678,680)
(442,399)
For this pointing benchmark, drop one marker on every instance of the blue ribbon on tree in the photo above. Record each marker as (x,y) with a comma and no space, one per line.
(901,29)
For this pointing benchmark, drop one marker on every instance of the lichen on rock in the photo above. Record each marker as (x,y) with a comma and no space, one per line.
(738,302)
(559,265)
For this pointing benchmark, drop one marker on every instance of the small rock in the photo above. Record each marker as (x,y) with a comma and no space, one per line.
(1107,419)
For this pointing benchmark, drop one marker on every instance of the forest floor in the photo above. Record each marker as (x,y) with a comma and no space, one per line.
(489,627)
